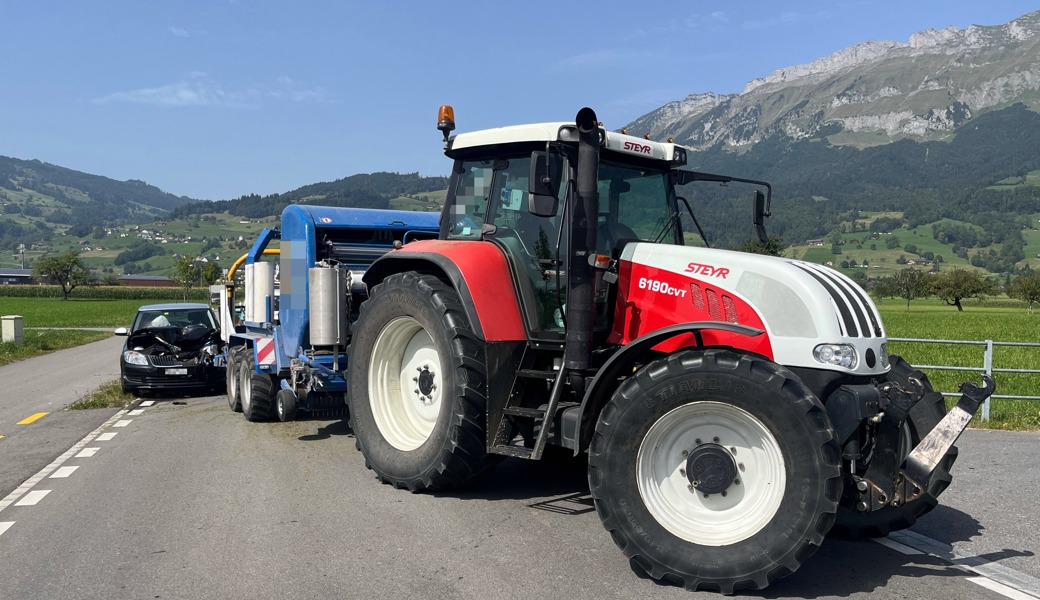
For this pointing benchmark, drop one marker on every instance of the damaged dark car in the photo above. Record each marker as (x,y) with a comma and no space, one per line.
(171,347)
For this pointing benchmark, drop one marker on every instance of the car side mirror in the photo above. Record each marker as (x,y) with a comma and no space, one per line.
(543,183)
(121,331)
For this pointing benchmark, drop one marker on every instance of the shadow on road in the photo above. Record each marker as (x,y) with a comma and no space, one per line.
(559,473)
(335,428)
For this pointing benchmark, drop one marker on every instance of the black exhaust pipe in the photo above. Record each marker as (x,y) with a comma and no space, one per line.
(583,216)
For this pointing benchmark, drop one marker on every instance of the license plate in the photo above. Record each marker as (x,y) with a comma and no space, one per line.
(176,371)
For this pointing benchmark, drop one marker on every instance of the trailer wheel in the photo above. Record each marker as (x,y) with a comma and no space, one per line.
(231,377)
(417,379)
(285,405)
(924,416)
(255,389)
(715,470)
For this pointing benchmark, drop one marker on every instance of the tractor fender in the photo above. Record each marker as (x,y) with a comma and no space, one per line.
(477,270)
(621,363)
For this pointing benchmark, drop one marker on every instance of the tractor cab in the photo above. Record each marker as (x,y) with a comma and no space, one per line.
(512,187)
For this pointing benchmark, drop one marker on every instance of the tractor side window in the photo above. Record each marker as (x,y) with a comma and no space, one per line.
(471,200)
(529,242)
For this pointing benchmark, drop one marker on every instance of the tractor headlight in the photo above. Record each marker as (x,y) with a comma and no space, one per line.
(132,357)
(838,355)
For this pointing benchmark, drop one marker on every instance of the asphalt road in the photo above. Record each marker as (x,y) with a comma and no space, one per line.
(48,384)
(189,500)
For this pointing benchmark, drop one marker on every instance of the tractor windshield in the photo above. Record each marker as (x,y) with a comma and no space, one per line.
(635,204)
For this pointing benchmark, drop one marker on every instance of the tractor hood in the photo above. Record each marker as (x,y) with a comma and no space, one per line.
(800,305)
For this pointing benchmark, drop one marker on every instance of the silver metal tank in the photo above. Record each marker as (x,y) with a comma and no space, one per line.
(329,305)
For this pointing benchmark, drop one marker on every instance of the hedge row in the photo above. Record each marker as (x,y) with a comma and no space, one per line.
(104,292)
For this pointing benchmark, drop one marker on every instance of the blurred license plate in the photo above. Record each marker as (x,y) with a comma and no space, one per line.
(176,371)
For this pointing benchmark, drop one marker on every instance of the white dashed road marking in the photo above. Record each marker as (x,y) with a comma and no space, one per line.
(32,498)
(992,576)
(5,525)
(136,412)
(58,462)
(147,403)
(900,548)
(123,423)
(64,472)
(104,437)
(87,452)
(1001,589)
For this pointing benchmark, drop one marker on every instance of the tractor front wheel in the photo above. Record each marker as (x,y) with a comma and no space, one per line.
(715,470)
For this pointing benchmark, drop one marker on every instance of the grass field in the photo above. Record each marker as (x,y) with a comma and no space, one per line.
(74,312)
(931,319)
(44,341)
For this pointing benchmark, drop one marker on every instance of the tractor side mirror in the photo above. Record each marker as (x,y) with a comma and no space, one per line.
(543,184)
(760,215)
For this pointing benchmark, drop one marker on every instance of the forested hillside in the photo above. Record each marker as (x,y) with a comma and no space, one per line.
(980,176)
(373,190)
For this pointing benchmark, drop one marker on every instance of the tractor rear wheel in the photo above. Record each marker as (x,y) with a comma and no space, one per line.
(715,470)
(924,416)
(417,379)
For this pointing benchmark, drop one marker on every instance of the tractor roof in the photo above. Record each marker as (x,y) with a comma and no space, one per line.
(565,132)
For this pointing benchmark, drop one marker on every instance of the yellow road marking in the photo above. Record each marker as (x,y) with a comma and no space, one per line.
(32,419)
(1,437)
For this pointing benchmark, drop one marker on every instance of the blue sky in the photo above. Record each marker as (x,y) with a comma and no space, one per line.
(214,99)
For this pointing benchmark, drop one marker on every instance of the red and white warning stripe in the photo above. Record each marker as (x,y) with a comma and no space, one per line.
(265,351)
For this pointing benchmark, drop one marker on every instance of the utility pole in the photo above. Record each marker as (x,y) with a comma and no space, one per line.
(21,252)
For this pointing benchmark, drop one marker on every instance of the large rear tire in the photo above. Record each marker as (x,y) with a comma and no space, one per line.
(924,416)
(417,379)
(231,378)
(255,389)
(715,470)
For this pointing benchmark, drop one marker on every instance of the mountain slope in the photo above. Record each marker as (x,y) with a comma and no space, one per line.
(62,195)
(872,93)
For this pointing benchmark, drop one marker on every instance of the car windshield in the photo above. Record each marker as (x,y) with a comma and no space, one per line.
(177,317)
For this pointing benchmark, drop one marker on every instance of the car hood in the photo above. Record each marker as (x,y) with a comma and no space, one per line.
(172,340)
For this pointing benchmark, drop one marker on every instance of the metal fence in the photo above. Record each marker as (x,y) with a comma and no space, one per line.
(987,365)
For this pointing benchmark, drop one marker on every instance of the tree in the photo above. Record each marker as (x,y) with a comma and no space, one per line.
(186,273)
(908,284)
(1026,287)
(66,270)
(210,272)
(958,284)
(773,246)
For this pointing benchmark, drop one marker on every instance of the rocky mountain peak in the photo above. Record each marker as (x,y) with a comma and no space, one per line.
(870,93)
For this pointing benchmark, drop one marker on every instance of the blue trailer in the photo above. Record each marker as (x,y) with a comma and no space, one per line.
(286,346)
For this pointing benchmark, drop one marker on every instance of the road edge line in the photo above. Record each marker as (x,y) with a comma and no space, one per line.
(44,472)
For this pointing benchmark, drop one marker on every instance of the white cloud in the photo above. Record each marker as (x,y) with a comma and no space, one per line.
(788,18)
(178,31)
(286,88)
(198,89)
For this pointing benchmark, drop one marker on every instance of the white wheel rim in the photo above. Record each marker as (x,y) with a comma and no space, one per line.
(406,417)
(245,387)
(748,505)
(231,379)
